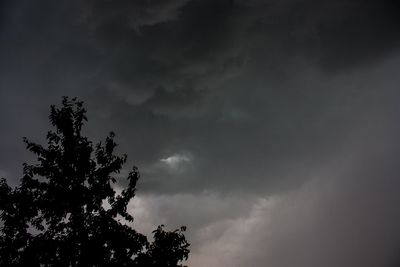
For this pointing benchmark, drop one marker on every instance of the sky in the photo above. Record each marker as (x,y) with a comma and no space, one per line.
(269,128)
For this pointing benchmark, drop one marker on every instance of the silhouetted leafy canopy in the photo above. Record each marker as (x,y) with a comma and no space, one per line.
(66,211)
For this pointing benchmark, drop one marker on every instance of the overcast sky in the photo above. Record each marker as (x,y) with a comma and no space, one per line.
(270,128)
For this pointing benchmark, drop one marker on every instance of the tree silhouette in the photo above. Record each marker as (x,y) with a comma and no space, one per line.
(66,212)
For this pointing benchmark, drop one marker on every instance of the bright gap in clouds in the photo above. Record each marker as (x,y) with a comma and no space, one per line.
(176,160)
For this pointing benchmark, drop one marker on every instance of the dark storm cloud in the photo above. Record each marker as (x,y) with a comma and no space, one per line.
(331,33)
(219,79)
(203,50)
(134,13)
(182,53)
(268,100)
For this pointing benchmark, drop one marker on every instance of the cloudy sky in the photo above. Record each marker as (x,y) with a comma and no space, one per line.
(269,127)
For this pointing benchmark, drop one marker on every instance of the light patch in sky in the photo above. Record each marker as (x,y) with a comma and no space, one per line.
(177,160)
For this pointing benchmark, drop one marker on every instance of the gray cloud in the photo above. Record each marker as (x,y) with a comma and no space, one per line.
(346,214)
(134,13)
(288,110)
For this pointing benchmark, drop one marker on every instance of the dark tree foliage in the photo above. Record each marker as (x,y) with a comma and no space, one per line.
(65,212)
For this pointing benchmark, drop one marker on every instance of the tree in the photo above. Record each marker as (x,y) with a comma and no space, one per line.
(66,212)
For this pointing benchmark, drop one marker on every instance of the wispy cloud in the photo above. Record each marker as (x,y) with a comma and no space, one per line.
(177,160)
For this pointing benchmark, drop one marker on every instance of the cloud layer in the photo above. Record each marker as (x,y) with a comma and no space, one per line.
(269,128)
